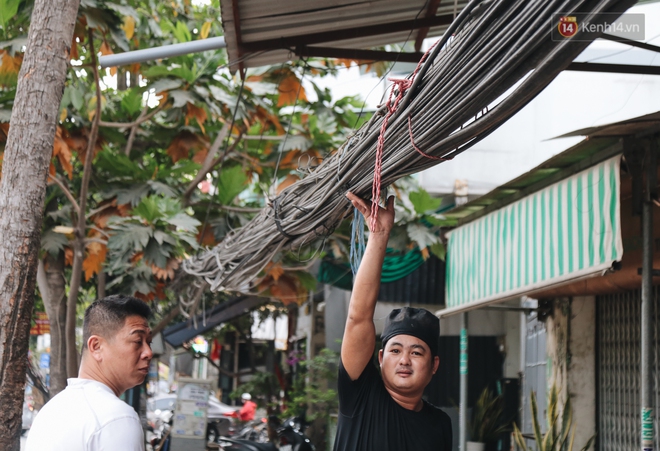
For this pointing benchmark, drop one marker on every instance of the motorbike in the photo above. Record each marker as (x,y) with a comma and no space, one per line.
(290,437)
(158,431)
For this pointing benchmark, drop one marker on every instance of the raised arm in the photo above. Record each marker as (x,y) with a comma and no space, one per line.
(360,333)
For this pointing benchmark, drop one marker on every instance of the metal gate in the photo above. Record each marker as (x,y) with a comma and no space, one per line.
(535,377)
(619,370)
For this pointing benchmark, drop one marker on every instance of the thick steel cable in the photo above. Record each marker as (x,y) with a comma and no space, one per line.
(453,103)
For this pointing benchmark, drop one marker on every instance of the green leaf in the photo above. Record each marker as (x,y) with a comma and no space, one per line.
(438,249)
(184,222)
(307,280)
(231,183)
(131,102)
(535,422)
(184,72)
(299,142)
(154,27)
(421,235)
(567,420)
(142,235)
(435,220)
(8,9)
(221,96)
(326,122)
(132,195)
(589,442)
(181,32)
(148,209)
(53,243)
(191,240)
(520,440)
(128,237)
(259,88)
(77,98)
(157,71)
(181,98)
(164,84)
(124,10)
(119,37)
(66,98)
(423,202)
(162,189)
(156,254)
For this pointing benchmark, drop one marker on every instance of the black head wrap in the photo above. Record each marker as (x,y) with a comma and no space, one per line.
(417,322)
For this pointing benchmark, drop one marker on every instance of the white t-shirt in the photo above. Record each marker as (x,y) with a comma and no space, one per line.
(86,416)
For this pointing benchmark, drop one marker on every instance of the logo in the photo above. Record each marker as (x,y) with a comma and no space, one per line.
(567,26)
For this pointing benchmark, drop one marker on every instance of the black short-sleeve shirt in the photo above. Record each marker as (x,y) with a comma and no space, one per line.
(370,420)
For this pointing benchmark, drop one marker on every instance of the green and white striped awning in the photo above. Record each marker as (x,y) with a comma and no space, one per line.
(566,231)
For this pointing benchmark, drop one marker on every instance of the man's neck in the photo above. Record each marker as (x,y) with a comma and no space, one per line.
(91,373)
(414,403)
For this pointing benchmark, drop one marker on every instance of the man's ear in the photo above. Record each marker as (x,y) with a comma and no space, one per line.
(436,364)
(95,346)
(380,357)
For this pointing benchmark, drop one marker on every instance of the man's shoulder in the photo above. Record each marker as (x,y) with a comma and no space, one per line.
(102,401)
(437,412)
(370,371)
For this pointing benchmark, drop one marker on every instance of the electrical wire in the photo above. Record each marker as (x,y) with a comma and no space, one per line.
(493,60)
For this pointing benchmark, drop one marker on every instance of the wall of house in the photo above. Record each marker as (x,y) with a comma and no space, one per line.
(512,344)
(571,344)
(582,367)
(335,312)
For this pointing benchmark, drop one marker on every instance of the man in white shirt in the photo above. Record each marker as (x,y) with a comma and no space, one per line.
(88,415)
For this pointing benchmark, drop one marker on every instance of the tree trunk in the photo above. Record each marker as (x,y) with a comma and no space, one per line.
(52,285)
(72,361)
(72,358)
(22,189)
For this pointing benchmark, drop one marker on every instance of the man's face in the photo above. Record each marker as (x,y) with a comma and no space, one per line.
(406,364)
(126,356)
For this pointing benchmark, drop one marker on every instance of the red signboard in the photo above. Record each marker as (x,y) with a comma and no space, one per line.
(42,324)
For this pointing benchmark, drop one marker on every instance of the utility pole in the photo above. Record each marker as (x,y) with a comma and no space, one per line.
(647,323)
(463,406)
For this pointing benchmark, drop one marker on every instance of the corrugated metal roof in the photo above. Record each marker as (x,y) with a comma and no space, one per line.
(425,285)
(179,333)
(601,143)
(261,32)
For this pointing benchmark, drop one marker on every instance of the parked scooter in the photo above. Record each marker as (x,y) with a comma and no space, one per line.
(290,437)
(158,431)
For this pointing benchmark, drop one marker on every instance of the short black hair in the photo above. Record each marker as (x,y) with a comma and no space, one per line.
(107,315)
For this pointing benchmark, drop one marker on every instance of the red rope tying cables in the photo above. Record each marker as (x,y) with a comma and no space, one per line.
(401,85)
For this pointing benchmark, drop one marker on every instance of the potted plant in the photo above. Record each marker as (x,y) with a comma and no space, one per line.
(486,425)
(560,433)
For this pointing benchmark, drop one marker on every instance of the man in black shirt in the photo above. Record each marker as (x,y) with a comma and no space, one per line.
(386,412)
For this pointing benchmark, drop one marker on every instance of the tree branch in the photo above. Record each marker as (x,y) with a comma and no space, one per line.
(261,137)
(211,161)
(239,209)
(166,320)
(66,192)
(79,240)
(101,231)
(97,210)
(96,240)
(137,122)
(134,129)
(231,208)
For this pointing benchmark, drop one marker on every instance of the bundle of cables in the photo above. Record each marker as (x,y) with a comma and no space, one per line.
(495,57)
